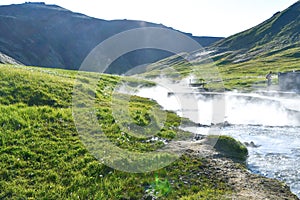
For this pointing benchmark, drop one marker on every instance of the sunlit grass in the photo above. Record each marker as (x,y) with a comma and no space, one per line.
(42,156)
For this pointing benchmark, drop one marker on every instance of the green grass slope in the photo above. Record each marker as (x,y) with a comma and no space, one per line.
(244,59)
(250,75)
(42,156)
(281,30)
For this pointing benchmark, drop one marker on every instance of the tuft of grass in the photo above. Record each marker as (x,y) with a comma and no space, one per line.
(229,147)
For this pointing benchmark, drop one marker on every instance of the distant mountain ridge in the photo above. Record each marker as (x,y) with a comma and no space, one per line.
(51,36)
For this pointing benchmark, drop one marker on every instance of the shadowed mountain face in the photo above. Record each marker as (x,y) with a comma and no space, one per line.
(51,36)
(280,32)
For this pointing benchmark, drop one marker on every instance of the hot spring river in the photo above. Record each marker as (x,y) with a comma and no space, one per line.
(269,120)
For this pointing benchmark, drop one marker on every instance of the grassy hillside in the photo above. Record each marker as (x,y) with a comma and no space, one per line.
(42,156)
(221,73)
(280,31)
(242,61)
(250,75)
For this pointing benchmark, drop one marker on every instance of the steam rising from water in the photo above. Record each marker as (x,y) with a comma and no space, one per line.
(259,110)
(239,108)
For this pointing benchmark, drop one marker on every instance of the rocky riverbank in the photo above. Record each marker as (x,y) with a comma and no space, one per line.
(244,184)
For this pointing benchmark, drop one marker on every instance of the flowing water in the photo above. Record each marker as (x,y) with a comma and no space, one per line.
(269,122)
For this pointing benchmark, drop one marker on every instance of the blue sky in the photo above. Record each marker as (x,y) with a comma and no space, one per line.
(199,17)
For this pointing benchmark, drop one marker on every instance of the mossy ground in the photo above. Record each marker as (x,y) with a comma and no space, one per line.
(229,147)
(42,156)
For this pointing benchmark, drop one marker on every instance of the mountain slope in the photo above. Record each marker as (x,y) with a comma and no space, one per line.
(51,36)
(280,31)
(5,59)
(243,60)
